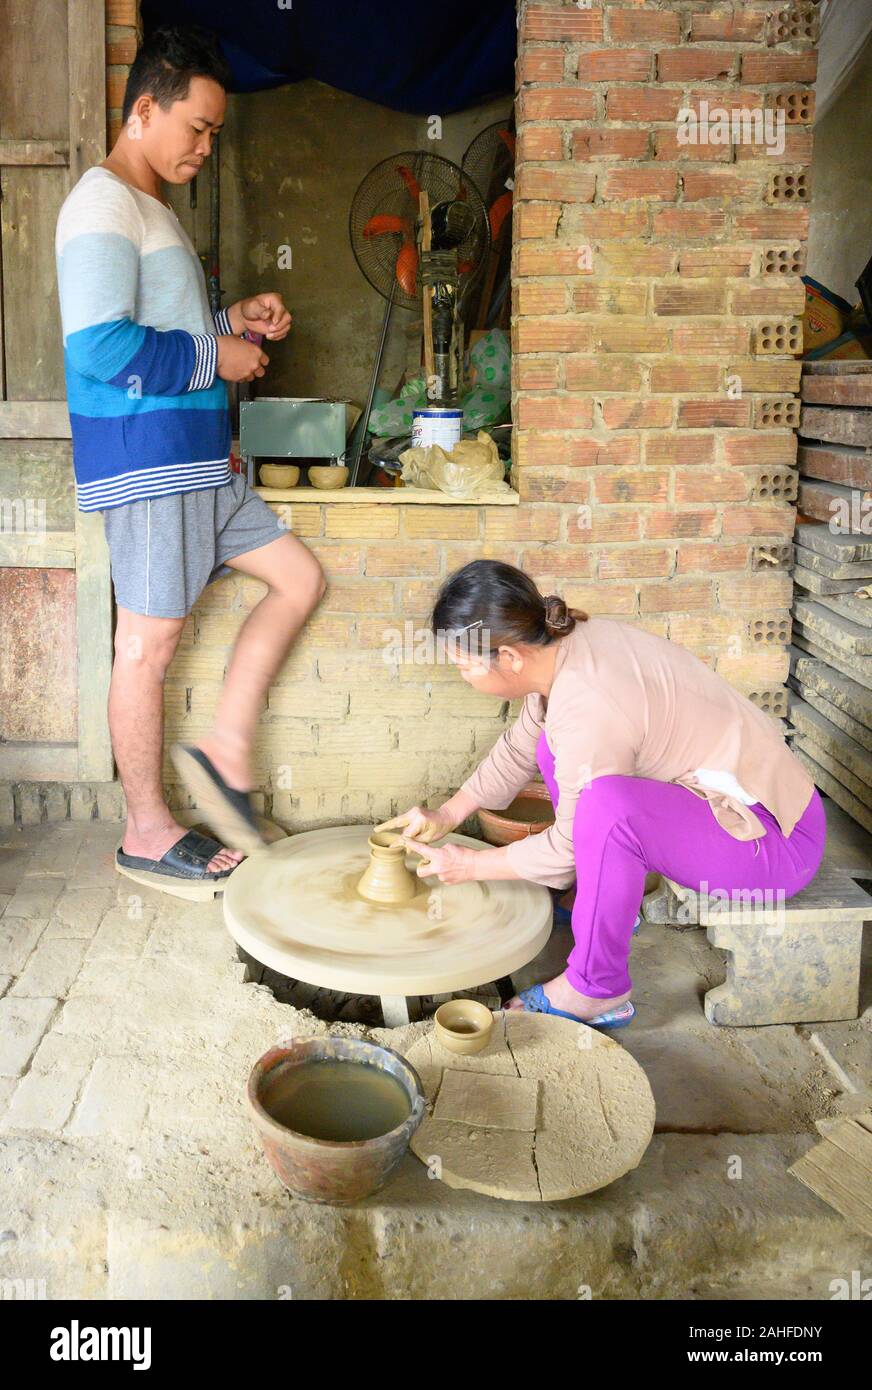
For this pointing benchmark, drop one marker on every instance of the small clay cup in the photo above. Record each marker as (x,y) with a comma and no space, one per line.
(328,477)
(279,474)
(463,1026)
(386,879)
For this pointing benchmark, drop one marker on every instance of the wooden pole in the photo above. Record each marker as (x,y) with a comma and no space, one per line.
(427,296)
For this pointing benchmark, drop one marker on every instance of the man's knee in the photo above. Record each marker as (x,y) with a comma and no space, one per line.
(148,643)
(305,582)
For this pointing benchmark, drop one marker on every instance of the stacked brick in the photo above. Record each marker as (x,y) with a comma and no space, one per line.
(831,662)
(656,316)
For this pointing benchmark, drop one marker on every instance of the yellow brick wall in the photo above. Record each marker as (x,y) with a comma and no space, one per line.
(348,735)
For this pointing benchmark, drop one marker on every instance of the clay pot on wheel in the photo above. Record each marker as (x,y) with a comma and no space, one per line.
(387,880)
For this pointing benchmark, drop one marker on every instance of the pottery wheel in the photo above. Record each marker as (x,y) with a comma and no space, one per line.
(294,906)
(594,1114)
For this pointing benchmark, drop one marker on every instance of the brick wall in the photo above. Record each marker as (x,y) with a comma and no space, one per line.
(122,28)
(657,301)
(656,305)
(349,735)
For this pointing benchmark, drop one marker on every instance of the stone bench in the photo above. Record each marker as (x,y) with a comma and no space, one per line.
(796,961)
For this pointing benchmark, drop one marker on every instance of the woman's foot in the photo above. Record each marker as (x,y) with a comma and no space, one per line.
(152,842)
(561,995)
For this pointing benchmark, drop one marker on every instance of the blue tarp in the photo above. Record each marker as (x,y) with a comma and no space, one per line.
(424,57)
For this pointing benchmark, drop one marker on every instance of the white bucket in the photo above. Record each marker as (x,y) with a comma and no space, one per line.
(435,426)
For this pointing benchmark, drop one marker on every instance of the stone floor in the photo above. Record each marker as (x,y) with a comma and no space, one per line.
(128,1167)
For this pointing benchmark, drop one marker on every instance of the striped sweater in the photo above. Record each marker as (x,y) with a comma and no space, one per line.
(148,414)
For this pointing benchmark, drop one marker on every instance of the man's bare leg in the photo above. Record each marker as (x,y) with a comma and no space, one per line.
(296,585)
(144,648)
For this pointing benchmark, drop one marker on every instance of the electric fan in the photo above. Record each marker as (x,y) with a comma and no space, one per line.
(490,163)
(419,232)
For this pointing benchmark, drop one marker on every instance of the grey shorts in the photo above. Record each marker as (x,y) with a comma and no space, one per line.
(163,551)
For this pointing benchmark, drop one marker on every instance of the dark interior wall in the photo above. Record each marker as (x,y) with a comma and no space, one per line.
(840,232)
(291,160)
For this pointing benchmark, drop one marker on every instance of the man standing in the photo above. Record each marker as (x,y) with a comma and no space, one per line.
(145,369)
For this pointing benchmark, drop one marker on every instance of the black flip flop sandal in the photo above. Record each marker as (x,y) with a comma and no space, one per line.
(181,872)
(226,810)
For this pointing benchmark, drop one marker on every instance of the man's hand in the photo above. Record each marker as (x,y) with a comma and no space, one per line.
(266,314)
(239,360)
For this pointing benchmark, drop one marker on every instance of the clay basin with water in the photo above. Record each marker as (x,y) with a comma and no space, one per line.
(530,813)
(366,1104)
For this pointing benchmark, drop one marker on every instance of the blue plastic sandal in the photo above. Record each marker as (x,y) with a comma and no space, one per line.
(536,1001)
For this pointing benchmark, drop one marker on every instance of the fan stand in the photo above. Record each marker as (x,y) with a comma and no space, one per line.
(373,383)
(426,291)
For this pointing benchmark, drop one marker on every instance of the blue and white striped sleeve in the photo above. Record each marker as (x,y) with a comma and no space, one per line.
(97,245)
(222,323)
(206,347)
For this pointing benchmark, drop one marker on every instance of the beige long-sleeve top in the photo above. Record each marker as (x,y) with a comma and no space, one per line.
(625,702)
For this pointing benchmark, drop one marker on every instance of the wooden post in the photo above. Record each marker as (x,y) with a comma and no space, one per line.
(427,296)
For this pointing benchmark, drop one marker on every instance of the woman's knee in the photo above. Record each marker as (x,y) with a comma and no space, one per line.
(606,799)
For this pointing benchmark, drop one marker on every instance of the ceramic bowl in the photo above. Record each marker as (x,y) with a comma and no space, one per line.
(328,478)
(463,1025)
(530,813)
(279,475)
(320,1170)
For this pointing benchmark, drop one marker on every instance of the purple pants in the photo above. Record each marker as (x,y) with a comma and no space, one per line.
(626,827)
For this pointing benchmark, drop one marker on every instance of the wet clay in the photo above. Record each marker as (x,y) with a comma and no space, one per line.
(386,878)
(343,1102)
(295,907)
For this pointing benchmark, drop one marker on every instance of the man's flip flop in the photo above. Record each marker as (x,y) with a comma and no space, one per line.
(227,811)
(536,1001)
(181,872)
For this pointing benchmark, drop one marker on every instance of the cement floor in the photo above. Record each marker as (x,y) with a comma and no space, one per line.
(128,1167)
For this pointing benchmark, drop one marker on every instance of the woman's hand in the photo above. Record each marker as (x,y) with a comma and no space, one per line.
(422,825)
(449,863)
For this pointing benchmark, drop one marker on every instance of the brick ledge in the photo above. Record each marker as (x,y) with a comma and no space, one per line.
(396,495)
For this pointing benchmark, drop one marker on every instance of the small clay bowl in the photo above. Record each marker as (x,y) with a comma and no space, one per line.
(328,478)
(463,1025)
(530,813)
(279,475)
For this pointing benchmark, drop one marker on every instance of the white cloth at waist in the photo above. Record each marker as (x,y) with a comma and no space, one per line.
(723,782)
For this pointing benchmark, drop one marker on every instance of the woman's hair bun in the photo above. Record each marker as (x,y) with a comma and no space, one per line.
(558,618)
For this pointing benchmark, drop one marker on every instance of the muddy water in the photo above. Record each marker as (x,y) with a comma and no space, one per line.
(342,1102)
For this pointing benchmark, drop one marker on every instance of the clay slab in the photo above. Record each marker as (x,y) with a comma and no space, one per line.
(490,1102)
(595,1116)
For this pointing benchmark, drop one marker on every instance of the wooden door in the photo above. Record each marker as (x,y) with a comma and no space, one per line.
(55,590)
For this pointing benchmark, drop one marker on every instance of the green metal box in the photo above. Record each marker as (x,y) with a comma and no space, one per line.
(287,427)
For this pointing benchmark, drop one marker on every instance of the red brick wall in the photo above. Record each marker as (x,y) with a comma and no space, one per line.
(657,301)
